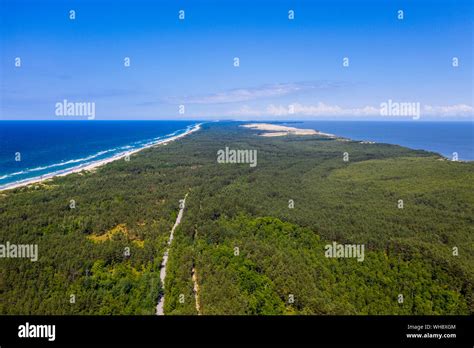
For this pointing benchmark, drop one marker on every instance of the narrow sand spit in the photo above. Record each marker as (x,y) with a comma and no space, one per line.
(273,130)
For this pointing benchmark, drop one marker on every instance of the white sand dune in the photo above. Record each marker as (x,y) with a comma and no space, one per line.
(273,130)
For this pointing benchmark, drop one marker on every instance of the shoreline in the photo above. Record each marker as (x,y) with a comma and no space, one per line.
(96,164)
(273,130)
(276,130)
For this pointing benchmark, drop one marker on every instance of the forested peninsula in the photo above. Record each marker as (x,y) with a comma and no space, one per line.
(252,238)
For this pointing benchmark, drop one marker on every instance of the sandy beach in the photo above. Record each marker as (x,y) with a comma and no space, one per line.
(272,130)
(93,165)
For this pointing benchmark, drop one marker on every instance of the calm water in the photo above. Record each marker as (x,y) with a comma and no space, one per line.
(56,146)
(441,137)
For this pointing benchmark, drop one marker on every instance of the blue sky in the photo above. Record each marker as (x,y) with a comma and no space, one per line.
(190,62)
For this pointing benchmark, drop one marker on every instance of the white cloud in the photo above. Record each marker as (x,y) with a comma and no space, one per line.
(248,94)
(335,111)
(449,110)
(319,109)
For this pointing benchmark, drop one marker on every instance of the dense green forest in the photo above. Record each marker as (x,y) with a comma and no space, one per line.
(253,251)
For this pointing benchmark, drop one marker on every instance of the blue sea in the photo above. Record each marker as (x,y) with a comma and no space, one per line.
(47,147)
(440,137)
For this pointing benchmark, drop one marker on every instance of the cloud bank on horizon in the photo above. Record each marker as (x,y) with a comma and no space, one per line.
(244,60)
(318,110)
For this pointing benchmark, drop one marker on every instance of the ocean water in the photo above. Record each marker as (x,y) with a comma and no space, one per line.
(47,147)
(440,137)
